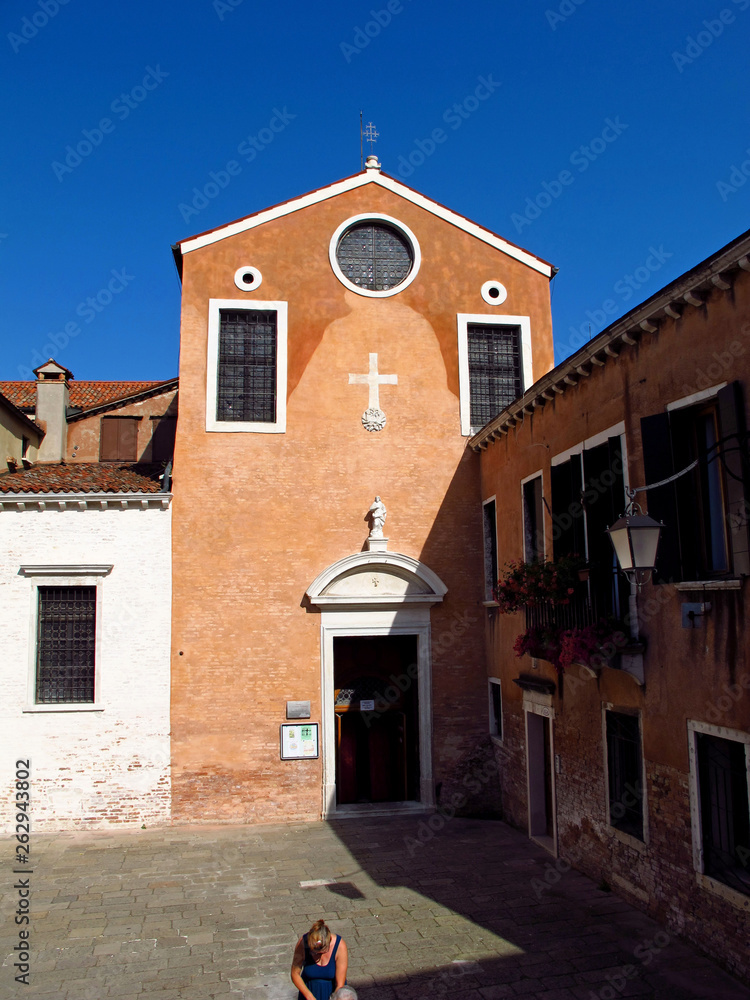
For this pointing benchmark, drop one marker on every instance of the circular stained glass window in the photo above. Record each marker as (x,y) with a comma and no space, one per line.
(374,257)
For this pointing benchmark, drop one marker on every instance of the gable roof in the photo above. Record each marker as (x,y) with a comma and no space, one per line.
(85,394)
(371,175)
(26,421)
(85,477)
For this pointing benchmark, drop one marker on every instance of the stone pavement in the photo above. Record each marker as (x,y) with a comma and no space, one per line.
(214,912)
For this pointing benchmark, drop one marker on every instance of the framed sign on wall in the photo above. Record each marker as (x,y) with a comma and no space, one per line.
(299,740)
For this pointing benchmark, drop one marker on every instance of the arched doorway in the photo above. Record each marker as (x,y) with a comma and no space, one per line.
(376,682)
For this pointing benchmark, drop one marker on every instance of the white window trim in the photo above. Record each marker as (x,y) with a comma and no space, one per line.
(696,397)
(375,217)
(488,319)
(212,366)
(616,430)
(528,479)
(705,881)
(493,732)
(625,838)
(89,575)
(489,600)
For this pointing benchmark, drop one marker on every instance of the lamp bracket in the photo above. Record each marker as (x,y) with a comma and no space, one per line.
(693,613)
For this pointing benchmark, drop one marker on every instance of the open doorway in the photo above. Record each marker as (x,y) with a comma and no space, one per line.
(377,718)
(541,781)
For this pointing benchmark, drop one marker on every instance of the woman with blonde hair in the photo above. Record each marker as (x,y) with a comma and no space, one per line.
(320,963)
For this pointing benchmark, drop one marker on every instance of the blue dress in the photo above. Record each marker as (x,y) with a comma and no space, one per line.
(319,979)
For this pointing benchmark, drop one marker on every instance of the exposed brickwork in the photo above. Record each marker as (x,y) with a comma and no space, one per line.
(691,674)
(91,769)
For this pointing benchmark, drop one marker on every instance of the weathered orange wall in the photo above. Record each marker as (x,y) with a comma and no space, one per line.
(258,516)
(84,434)
(687,671)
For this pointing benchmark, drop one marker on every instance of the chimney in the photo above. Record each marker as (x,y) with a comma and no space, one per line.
(52,401)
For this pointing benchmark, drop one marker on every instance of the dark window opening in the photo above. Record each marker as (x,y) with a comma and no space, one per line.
(375,256)
(490,550)
(494,370)
(66,645)
(496,710)
(588,495)
(533,521)
(246,389)
(162,438)
(625,773)
(704,511)
(725,813)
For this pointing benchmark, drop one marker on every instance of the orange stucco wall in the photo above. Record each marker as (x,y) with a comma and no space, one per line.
(258,516)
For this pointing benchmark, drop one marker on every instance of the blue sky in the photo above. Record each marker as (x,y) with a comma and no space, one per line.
(611,144)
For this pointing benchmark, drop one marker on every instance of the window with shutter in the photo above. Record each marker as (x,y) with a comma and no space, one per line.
(533,520)
(704,511)
(588,494)
(162,438)
(118,440)
(490,549)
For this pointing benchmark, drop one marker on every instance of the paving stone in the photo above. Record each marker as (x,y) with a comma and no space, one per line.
(214,913)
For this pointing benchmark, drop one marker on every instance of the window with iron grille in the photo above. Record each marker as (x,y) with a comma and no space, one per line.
(246,383)
(624,773)
(724,810)
(66,645)
(375,256)
(494,370)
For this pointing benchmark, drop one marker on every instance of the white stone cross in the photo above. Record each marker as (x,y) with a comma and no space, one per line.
(373,418)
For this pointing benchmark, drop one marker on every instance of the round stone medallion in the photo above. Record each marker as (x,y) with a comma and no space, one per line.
(373,420)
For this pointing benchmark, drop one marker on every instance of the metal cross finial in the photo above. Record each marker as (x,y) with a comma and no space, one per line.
(371,135)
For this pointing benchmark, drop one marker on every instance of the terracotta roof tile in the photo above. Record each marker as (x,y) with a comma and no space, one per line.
(83,394)
(86,477)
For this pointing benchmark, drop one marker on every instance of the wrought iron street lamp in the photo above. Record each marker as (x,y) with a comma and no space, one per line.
(635,539)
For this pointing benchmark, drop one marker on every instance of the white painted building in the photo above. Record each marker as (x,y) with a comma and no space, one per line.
(106,760)
(85,606)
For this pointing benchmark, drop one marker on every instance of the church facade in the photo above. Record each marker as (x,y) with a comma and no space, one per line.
(337,353)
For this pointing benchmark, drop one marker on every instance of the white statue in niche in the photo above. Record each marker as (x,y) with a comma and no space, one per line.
(377,513)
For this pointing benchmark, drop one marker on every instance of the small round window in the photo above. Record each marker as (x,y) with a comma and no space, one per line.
(374,256)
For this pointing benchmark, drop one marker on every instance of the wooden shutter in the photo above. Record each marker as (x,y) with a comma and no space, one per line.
(118,439)
(733,448)
(662,502)
(604,494)
(162,438)
(567,513)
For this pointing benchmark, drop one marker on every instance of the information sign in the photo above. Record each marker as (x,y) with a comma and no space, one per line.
(299,741)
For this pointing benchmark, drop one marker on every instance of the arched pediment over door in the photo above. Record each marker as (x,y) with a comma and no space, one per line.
(376,579)
(376,594)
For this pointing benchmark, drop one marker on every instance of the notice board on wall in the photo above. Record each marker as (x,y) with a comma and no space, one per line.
(299,741)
